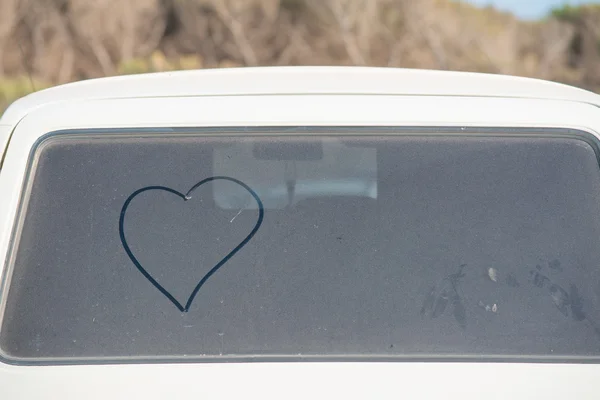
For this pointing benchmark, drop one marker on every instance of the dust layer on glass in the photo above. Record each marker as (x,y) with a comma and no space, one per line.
(253,246)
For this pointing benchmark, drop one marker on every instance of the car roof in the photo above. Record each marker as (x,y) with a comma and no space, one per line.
(299,81)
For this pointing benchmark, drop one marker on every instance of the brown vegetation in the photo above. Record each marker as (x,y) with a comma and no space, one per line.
(55,41)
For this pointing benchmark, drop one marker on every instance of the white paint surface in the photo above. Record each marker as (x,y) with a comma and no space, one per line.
(152,102)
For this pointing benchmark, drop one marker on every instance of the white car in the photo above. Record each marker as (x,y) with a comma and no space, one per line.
(301,233)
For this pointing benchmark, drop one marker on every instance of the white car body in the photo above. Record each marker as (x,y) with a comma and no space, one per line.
(290,97)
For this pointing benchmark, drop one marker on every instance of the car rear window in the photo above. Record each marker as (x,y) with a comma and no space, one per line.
(265,244)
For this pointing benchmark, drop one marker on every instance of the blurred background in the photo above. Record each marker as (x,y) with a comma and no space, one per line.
(48,42)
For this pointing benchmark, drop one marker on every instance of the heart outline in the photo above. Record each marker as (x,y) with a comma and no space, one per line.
(186,197)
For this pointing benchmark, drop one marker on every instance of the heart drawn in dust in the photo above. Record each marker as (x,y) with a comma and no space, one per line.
(184,197)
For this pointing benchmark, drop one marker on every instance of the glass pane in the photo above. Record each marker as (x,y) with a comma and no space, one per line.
(339,245)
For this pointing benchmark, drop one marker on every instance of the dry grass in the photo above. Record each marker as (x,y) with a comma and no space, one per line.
(56,41)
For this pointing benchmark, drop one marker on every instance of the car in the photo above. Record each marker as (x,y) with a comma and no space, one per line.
(301,232)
